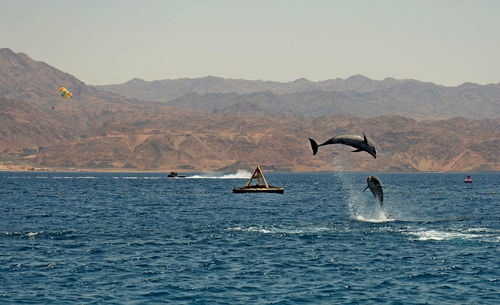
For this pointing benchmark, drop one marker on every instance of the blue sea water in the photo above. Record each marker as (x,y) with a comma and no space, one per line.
(130,238)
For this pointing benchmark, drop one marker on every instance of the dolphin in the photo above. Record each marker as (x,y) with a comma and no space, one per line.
(358,142)
(376,188)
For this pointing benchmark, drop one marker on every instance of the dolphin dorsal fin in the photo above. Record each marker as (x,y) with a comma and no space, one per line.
(364,136)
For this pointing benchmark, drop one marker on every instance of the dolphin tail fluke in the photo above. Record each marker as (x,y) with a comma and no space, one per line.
(314,146)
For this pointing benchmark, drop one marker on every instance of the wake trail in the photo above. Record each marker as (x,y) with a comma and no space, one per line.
(240,174)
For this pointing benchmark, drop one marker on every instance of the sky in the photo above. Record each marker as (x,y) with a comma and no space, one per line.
(447,42)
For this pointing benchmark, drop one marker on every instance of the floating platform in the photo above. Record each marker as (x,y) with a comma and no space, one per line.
(259,189)
(261,186)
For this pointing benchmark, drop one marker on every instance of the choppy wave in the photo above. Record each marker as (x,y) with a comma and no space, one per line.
(54,177)
(279,230)
(240,174)
(324,241)
(479,234)
(40,234)
(73,177)
(137,178)
(30,235)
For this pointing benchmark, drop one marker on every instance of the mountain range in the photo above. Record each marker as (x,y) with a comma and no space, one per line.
(216,124)
(357,95)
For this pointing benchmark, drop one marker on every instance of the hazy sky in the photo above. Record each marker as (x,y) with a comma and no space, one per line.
(104,42)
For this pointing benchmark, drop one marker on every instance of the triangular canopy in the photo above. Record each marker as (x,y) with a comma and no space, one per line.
(259,175)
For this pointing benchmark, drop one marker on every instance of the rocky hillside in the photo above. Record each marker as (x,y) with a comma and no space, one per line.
(231,143)
(101,130)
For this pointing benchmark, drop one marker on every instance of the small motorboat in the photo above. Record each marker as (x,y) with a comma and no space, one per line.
(175,175)
(260,187)
(468,179)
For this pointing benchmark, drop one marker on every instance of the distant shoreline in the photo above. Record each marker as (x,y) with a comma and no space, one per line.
(25,168)
(36,169)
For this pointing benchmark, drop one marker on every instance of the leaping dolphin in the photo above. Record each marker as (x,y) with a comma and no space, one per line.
(358,142)
(376,188)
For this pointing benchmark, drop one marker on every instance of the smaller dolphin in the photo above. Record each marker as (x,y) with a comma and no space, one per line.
(358,142)
(376,188)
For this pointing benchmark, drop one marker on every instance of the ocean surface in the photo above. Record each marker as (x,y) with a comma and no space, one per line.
(143,238)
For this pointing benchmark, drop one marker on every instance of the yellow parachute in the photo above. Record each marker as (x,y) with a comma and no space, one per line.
(65,93)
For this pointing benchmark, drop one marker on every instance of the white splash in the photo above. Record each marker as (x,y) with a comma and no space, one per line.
(380,218)
(240,174)
(359,208)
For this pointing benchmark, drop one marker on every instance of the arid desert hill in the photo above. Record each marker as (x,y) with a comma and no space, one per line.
(102,130)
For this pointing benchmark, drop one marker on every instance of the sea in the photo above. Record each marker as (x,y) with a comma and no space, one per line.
(144,238)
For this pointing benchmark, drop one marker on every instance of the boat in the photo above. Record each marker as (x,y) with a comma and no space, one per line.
(175,175)
(468,179)
(260,187)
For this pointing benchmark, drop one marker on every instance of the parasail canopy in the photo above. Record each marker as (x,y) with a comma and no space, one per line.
(65,93)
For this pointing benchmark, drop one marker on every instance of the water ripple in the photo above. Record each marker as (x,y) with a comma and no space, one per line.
(145,239)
